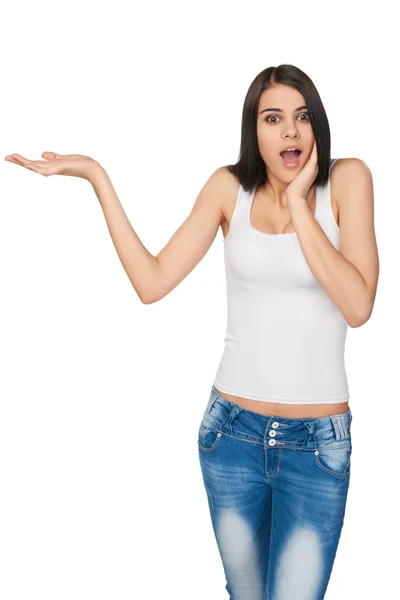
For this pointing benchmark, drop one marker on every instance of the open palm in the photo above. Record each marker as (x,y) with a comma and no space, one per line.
(75,165)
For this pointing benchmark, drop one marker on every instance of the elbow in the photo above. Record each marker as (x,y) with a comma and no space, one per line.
(356,322)
(151,290)
(361,317)
(147,299)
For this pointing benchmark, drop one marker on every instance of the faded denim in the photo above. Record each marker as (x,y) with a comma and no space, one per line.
(277,490)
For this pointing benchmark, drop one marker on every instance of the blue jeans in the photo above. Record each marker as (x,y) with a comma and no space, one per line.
(277,490)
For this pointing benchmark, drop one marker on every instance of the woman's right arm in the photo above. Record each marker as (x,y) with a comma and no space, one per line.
(153,277)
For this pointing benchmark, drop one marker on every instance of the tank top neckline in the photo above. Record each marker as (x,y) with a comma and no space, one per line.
(278,235)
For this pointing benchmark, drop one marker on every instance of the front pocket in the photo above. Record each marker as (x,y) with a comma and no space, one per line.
(334,460)
(208,438)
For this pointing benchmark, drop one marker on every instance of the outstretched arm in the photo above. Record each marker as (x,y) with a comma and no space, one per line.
(153,277)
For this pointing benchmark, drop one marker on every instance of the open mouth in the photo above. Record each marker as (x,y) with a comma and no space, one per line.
(291,158)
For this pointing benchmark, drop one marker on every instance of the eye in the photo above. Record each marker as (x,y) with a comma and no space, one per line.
(277,117)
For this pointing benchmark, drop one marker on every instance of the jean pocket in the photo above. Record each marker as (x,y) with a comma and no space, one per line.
(209,436)
(334,459)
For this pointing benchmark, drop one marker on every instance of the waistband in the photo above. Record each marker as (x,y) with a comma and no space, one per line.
(305,433)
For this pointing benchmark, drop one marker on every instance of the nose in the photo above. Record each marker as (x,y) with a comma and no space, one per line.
(292,133)
(291,130)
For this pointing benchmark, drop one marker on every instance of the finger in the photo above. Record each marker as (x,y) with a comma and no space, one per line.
(42,163)
(20,158)
(55,156)
(313,154)
(14,160)
(42,169)
(25,162)
(50,155)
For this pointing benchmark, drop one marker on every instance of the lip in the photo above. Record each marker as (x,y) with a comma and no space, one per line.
(293,164)
(291,146)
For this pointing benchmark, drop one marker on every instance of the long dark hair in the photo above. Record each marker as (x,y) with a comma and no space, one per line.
(250,168)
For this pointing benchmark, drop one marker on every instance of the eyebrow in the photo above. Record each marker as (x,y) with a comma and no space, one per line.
(280,110)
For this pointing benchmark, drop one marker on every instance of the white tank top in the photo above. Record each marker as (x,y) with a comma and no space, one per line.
(285,337)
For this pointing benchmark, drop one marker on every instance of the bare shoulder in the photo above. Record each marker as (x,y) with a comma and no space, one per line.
(215,195)
(227,182)
(347,173)
(228,187)
(219,188)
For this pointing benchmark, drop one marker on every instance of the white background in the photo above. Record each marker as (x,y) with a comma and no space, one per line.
(101,495)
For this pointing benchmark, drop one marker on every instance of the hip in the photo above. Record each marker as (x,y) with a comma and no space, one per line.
(231,436)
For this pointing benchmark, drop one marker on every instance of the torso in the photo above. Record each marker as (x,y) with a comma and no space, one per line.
(261,220)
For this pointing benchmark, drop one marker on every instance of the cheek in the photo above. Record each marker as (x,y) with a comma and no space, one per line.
(270,135)
(268,147)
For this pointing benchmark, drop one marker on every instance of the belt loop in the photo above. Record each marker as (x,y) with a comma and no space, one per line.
(236,409)
(310,441)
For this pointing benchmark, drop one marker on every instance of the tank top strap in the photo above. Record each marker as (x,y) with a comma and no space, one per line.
(241,212)
(331,163)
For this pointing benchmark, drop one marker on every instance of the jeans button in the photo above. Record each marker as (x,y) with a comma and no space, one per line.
(272,433)
(272,442)
(275,424)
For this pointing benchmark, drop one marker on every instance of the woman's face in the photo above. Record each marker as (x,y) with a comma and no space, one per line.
(288,124)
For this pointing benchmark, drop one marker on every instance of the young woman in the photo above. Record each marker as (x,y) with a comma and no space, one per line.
(301,265)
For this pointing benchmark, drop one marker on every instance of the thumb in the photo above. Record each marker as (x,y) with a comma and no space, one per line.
(50,155)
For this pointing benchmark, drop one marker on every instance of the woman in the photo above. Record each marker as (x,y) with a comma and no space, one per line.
(275,438)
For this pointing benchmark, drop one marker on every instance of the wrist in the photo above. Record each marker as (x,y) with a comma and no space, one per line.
(294,202)
(95,172)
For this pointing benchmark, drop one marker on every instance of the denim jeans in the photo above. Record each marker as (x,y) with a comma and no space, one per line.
(277,490)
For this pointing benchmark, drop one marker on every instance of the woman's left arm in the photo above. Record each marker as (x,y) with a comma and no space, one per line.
(349,276)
